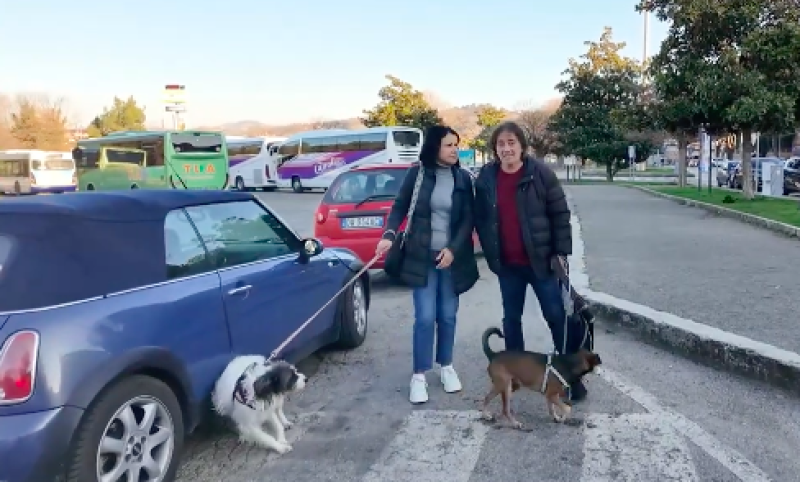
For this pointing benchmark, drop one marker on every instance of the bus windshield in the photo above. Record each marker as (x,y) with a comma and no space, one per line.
(406,138)
(186,143)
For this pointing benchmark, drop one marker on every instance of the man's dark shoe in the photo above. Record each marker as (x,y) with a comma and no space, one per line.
(577,392)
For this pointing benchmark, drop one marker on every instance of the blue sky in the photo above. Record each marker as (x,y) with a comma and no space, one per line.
(288,61)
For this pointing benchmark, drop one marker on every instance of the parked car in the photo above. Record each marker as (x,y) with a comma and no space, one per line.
(723,172)
(791,176)
(755,165)
(353,212)
(119,310)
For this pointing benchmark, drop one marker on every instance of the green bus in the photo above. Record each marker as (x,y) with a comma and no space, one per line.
(152,160)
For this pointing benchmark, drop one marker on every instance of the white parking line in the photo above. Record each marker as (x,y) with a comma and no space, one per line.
(432,446)
(633,447)
(728,457)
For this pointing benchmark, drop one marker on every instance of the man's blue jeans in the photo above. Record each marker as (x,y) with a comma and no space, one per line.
(435,309)
(514,282)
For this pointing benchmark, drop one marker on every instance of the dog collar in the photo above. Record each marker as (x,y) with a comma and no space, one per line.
(550,369)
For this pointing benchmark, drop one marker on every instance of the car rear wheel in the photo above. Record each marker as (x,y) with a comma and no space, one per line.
(133,432)
(297,186)
(240,184)
(353,316)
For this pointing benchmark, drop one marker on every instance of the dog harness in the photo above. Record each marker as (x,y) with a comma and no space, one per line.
(243,394)
(551,370)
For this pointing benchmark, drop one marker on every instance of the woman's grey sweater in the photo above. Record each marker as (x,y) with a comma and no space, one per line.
(441,205)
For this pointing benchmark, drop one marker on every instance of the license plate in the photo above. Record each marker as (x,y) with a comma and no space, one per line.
(362,222)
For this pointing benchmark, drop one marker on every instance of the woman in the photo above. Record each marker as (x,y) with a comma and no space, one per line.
(523,223)
(439,258)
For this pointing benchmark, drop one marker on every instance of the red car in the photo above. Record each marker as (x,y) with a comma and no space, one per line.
(354,210)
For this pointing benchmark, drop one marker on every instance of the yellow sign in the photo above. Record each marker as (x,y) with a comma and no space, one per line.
(174,94)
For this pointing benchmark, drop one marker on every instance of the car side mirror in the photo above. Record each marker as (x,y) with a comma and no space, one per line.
(312,247)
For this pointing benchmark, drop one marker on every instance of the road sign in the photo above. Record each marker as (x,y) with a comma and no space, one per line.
(631,152)
(174,94)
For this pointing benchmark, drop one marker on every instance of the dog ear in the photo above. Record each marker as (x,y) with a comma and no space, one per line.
(283,377)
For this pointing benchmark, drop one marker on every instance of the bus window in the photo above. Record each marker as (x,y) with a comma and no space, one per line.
(126,157)
(155,153)
(347,143)
(372,142)
(315,145)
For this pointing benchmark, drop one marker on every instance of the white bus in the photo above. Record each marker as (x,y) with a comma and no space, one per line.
(312,160)
(28,171)
(251,165)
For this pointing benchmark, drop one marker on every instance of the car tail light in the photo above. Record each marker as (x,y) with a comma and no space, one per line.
(18,367)
(266,172)
(322,214)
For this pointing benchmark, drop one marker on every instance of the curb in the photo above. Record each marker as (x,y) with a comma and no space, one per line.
(776,226)
(701,343)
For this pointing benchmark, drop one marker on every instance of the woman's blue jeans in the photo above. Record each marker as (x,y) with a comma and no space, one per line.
(435,309)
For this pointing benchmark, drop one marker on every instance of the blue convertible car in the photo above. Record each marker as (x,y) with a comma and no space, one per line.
(118,311)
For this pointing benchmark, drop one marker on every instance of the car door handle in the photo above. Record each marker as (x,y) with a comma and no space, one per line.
(333,262)
(241,289)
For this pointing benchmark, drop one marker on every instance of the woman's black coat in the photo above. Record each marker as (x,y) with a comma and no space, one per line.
(418,257)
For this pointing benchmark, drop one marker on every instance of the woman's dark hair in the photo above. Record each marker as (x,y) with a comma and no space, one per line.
(429,153)
(512,128)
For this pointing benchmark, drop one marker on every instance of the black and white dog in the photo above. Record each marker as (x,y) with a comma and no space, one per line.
(251,392)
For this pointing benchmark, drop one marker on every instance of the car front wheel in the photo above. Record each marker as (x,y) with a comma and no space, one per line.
(132,432)
(353,314)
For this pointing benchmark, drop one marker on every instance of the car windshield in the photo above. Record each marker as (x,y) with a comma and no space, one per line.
(359,186)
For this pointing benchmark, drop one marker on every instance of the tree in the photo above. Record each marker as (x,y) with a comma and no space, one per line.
(535,121)
(7,140)
(742,58)
(123,115)
(597,89)
(401,105)
(38,122)
(489,117)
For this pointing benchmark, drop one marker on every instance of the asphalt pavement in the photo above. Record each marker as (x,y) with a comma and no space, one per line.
(651,416)
(689,262)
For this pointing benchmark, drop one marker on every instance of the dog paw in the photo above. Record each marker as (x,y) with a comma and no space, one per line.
(283,448)
(517,425)
(287,425)
(488,416)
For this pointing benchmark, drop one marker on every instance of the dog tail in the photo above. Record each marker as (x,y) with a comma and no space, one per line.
(487,350)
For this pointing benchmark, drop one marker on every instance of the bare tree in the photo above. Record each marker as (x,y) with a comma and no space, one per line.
(7,140)
(39,122)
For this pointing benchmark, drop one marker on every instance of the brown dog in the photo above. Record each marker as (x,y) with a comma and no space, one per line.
(549,374)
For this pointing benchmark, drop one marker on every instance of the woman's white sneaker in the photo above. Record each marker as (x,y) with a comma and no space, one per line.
(450,379)
(418,392)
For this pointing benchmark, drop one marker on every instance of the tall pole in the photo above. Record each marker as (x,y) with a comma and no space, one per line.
(646,35)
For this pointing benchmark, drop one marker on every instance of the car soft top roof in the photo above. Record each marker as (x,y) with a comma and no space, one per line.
(76,246)
(118,206)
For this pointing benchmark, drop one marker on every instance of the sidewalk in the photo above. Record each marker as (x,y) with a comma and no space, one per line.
(685,261)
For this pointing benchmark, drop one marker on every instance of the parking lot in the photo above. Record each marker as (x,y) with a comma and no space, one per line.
(650,416)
